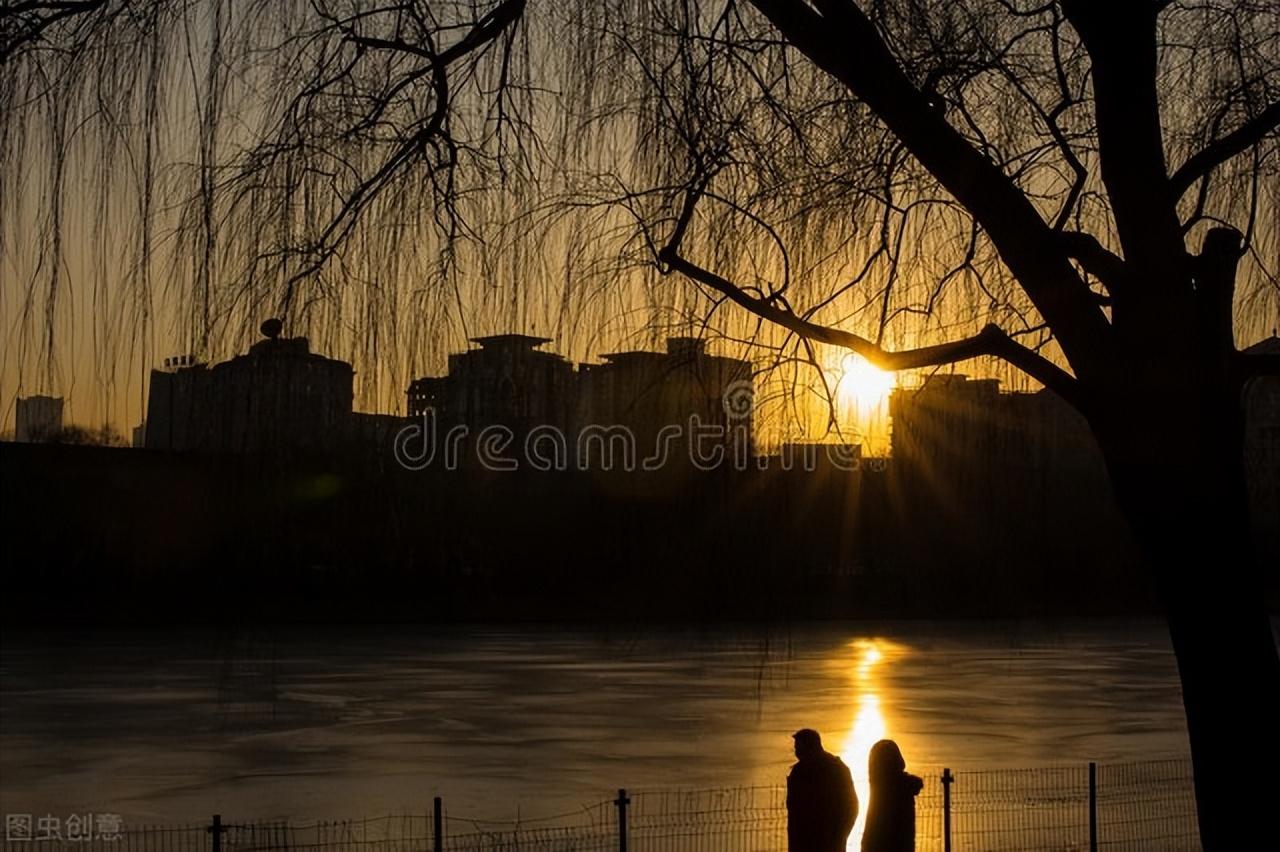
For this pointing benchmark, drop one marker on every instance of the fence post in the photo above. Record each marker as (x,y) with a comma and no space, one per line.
(437,825)
(216,830)
(947,779)
(1093,807)
(622,801)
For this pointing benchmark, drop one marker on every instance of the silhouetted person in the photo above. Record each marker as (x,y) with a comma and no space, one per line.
(821,802)
(891,813)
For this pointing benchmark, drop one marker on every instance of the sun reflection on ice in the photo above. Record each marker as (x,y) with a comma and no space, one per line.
(868,722)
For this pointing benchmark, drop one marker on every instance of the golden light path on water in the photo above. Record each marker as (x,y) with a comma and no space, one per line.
(869,725)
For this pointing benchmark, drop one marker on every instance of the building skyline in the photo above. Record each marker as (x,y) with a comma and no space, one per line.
(278,396)
(658,397)
(512,380)
(37,418)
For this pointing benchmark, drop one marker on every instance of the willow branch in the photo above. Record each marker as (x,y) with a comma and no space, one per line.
(23,24)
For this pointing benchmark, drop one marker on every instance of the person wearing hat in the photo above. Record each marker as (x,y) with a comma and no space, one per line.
(821,802)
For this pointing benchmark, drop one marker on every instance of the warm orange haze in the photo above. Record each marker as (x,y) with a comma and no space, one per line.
(743,425)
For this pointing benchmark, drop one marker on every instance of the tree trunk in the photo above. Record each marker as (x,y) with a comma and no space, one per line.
(1178,470)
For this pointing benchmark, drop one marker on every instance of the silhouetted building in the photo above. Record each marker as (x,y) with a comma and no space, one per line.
(954,422)
(139,440)
(506,382)
(37,418)
(1004,483)
(280,397)
(1005,480)
(427,393)
(620,407)
(683,405)
(372,437)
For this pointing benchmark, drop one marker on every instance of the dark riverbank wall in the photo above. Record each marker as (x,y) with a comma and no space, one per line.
(121,535)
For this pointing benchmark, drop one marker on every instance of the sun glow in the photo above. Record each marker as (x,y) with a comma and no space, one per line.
(861,385)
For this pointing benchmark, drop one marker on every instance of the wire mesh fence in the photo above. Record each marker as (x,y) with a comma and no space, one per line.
(1146,805)
(745,818)
(402,833)
(592,829)
(1022,809)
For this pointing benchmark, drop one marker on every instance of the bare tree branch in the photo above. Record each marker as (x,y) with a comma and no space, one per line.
(1218,152)
(845,43)
(991,341)
(431,130)
(22,24)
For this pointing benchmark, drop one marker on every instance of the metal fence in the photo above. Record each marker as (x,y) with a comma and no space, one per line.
(1145,805)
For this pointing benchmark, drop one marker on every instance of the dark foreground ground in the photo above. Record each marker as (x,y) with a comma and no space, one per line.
(106,535)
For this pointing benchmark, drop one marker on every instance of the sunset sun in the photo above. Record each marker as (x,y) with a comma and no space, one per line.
(861,384)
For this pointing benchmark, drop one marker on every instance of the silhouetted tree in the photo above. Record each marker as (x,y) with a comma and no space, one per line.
(1042,135)
(103,436)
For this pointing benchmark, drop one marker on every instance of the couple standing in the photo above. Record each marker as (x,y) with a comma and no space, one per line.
(822,805)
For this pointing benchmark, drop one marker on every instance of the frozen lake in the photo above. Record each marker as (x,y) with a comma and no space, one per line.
(256,724)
